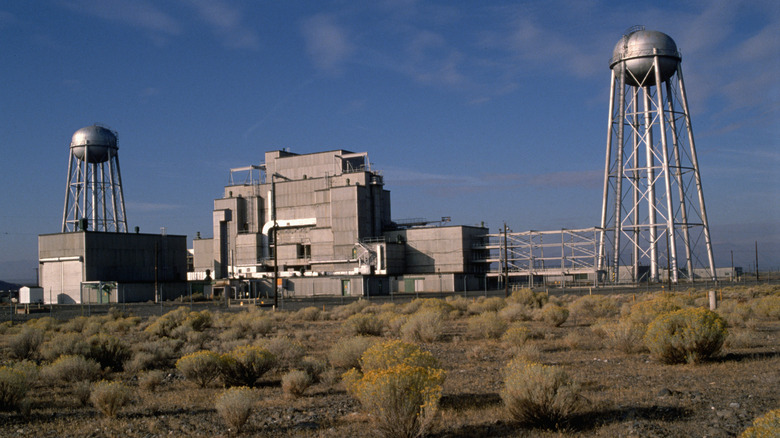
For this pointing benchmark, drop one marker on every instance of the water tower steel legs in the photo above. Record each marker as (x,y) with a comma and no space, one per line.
(646,209)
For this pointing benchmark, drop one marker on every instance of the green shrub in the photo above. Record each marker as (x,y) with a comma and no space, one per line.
(109,397)
(591,307)
(308,314)
(345,311)
(151,380)
(202,367)
(346,352)
(108,351)
(76,324)
(687,335)
(164,325)
(768,307)
(400,388)
(423,326)
(765,426)
(528,297)
(13,388)
(288,352)
(314,367)
(553,314)
(644,312)
(625,335)
(482,305)
(67,343)
(296,382)
(516,312)
(251,324)
(539,395)
(363,324)
(199,321)
(158,354)
(487,325)
(69,368)
(235,405)
(245,365)
(26,343)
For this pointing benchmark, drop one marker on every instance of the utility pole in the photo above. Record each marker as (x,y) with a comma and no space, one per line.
(276,246)
(732,266)
(506,264)
(756,260)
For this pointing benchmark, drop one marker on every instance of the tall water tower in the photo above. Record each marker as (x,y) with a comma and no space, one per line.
(653,217)
(93,194)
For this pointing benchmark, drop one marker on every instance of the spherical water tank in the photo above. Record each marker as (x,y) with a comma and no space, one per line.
(638,48)
(93,144)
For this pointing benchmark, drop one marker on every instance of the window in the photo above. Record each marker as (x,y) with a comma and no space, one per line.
(304,250)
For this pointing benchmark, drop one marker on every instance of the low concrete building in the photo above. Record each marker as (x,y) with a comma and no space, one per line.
(103,267)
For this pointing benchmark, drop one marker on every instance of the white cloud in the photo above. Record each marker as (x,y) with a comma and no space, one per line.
(327,43)
(226,21)
(139,13)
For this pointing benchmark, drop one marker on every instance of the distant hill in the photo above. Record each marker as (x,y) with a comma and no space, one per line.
(9,286)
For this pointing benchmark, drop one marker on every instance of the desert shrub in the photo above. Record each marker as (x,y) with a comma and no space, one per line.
(314,367)
(400,388)
(163,326)
(109,397)
(388,354)
(644,312)
(487,325)
(461,304)
(44,324)
(590,307)
(528,297)
(346,352)
(151,380)
(26,343)
(482,305)
(121,325)
(296,382)
(553,314)
(82,392)
(741,338)
(624,335)
(516,312)
(235,405)
(67,343)
(765,426)
(687,335)
(201,367)
(516,335)
(158,354)
(199,321)
(735,313)
(69,368)
(13,388)
(76,324)
(108,351)
(288,352)
(245,365)
(308,314)
(581,340)
(347,310)
(362,324)
(252,323)
(423,326)
(528,353)
(393,323)
(768,307)
(539,395)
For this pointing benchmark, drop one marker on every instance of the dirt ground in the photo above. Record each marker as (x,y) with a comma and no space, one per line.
(625,394)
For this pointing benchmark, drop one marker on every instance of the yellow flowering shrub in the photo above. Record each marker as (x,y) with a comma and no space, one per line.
(201,367)
(400,387)
(687,335)
(765,426)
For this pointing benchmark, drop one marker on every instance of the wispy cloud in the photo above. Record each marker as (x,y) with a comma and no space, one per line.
(227,23)
(140,13)
(327,43)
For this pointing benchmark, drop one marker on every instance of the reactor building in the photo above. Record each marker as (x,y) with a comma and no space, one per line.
(94,258)
(320,224)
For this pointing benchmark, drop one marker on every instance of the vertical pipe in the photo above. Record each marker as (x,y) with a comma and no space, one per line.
(680,184)
(619,175)
(697,175)
(605,198)
(93,183)
(635,182)
(671,238)
(650,163)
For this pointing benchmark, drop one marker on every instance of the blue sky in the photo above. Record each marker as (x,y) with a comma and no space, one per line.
(483,111)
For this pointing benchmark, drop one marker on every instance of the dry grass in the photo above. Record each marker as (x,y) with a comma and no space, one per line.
(622,385)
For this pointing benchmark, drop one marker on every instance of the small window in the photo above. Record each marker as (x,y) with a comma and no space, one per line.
(304,251)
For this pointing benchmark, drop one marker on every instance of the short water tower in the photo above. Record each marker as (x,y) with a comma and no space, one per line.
(93,193)
(653,213)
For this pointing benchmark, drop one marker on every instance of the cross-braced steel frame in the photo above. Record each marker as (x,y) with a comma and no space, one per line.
(544,253)
(653,211)
(93,195)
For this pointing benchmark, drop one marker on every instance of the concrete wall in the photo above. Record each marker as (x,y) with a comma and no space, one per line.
(439,249)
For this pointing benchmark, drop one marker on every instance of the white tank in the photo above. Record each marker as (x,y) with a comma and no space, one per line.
(93,144)
(638,48)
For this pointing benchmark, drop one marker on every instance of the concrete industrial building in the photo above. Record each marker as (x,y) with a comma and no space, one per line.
(94,258)
(324,219)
